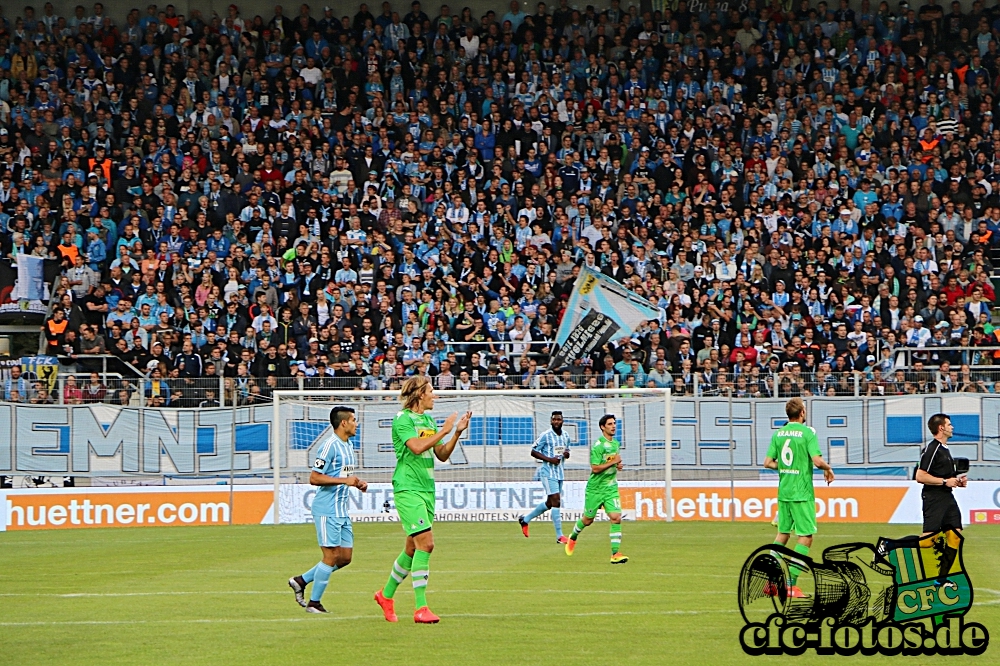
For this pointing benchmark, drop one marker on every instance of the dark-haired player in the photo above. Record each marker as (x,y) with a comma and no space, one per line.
(602,489)
(333,473)
(552,448)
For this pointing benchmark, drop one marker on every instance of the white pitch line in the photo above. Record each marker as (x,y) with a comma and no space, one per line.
(991,602)
(600,614)
(353,617)
(77,595)
(456,572)
(624,592)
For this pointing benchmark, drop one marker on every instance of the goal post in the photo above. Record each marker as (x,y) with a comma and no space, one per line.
(495,450)
(668,449)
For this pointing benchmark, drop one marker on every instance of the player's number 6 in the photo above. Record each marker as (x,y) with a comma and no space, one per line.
(786,453)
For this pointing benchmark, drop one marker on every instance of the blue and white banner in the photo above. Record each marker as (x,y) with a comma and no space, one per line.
(599,309)
(865,437)
(30,278)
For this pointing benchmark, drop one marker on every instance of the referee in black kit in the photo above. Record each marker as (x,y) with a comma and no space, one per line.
(938,474)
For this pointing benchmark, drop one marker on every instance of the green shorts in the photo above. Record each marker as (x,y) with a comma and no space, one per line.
(799,517)
(416,510)
(595,499)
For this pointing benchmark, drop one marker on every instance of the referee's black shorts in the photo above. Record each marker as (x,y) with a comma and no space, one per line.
(941,513)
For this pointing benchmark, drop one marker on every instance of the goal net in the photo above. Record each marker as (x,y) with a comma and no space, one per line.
(491,467)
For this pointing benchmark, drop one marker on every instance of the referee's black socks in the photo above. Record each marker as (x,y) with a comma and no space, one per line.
(947,559)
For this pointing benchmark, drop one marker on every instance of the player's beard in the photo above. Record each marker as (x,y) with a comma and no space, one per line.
(556,430)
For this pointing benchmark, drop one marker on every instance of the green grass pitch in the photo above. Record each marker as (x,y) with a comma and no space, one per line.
(218,595)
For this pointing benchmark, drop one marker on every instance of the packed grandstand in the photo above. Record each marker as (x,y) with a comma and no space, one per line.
(809,194)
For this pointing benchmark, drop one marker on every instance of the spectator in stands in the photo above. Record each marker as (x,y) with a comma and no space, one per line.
(15,387)
(94,390)
(55,332)
(72,394)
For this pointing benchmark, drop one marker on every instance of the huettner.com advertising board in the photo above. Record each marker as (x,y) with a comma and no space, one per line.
(171,506)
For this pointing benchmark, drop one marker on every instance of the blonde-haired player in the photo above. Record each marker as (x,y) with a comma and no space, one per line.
(417,440)
(793,452)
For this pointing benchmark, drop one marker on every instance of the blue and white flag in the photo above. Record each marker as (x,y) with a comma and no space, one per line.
(30,278)
(599,310)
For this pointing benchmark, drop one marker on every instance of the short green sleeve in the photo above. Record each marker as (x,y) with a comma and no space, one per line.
(597,453)
(403,430)
(812,442)
(772,449)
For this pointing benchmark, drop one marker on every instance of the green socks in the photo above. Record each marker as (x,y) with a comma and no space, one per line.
(616,535)
(421,571)
(793,569)
(400,570)
(616,538)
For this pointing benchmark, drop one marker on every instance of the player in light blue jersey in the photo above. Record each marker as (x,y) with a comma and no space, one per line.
(333,474)
(552,448)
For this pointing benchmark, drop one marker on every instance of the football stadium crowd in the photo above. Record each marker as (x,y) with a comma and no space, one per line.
(802,189)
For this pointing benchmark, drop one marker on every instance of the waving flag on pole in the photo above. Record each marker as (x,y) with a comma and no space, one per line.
(30,285)
(599,309)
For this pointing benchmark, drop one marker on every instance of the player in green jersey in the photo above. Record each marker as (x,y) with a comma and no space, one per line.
(793,451)
(417,440)
(602,488)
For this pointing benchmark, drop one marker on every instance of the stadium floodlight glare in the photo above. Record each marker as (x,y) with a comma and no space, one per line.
(496,447)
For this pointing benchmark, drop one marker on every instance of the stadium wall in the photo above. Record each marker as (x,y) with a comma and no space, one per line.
(869,436)
(894,502)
